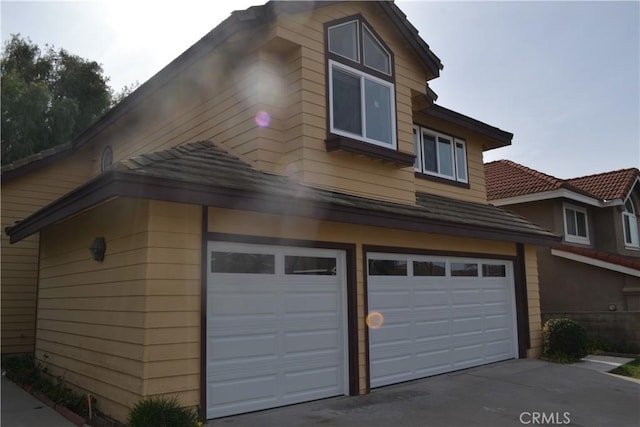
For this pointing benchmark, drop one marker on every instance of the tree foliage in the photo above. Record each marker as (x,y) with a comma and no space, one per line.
(47,98)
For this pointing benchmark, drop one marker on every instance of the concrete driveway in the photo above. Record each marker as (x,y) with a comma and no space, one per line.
(512,393)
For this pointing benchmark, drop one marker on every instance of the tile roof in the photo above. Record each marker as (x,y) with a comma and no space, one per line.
(204,167)
(607,185)
(602,256)
(505,179)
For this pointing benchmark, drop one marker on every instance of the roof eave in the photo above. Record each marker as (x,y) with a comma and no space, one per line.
(497,137)
(123,184)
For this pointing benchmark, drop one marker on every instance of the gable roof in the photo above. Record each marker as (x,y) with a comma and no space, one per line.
(240,20)
(608,185)
(203,174)
(506,179)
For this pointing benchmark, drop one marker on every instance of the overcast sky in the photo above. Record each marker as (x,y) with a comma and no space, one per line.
(563,77)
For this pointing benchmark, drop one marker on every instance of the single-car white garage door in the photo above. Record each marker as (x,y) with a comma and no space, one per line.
(429,315)
(276,326)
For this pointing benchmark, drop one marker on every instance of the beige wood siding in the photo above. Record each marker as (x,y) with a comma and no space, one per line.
(533,298)
(21,197)
(91,315)
(247,223)
(172,313)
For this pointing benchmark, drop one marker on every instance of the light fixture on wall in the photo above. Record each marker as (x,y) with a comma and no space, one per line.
(613,307)
(98,248)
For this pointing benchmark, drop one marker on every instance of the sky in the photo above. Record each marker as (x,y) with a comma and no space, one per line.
(563,77)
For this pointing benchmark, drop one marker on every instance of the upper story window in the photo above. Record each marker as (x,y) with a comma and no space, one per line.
(361,85)
(576,228)
(630,224)
(440,155)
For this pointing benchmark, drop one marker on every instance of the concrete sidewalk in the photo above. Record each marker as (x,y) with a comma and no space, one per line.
(20,409)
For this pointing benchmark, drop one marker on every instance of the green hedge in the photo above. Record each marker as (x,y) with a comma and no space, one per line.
(564,339)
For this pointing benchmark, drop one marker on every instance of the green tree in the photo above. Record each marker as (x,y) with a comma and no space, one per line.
(47,98)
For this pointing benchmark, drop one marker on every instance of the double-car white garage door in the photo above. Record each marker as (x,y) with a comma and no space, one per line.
(276,326)
(430,315)
(277,323)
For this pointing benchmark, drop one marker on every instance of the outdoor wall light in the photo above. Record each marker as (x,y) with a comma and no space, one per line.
(98,248)
(613,307)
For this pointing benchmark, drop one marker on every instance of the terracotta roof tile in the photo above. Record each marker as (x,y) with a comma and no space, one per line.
(505,179)
(607,185)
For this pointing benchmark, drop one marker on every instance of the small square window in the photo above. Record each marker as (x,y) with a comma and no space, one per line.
(576,225)
(384,267)
(464,269)
(429,268)
(494,270)
(242,263)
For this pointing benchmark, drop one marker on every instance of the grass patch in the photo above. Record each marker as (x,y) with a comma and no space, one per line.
(631,369)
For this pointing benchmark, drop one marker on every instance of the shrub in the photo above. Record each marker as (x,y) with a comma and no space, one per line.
(161,412)
(26,371)
(564,339)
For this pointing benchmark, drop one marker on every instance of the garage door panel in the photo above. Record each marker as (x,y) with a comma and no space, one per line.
(323,379)
(308,341)
(245,391)
(316,302)
(250,346)
(447,322)
(245,303)
(391,300)
(430,298)
(465,296)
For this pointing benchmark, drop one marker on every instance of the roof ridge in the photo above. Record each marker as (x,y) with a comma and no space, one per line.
(549,178)
(632,169)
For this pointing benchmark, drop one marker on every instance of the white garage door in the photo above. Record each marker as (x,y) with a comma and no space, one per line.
(276,326)
(430,315)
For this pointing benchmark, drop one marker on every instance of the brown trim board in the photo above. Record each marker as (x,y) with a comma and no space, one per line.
(202,410)
(352,303)
(522,302)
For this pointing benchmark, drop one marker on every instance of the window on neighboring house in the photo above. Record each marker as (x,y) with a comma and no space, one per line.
(575,225)
(361,89)
(439,155)
(630,224)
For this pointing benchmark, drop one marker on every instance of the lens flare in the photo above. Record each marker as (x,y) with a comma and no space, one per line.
(375,320)
(263,119)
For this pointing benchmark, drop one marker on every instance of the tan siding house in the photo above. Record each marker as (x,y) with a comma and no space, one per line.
(280,207)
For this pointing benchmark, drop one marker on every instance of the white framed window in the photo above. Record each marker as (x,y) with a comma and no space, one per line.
(361,106)
(576,225)
(440,155)
(630,225)
(361,89)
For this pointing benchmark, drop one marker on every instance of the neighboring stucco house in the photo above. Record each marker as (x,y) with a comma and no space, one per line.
(597,266)
(262,231)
